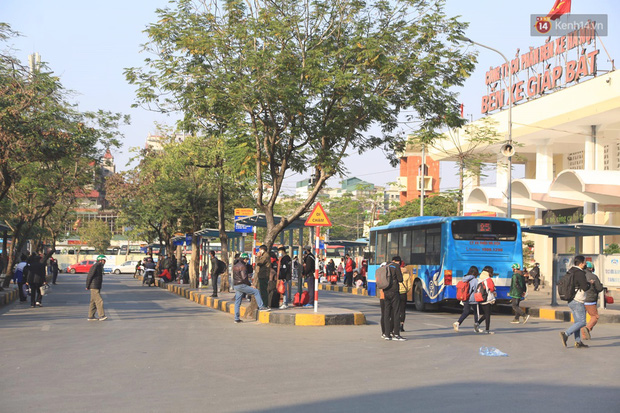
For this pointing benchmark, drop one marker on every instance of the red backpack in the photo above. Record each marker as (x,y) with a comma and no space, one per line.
(462,291)
(301,300)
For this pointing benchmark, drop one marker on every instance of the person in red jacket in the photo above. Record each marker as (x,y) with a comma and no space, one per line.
(349,266)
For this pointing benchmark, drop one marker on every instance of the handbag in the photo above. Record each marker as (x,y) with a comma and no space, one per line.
(478,297)
(44,289)
(609,299)
(281,287)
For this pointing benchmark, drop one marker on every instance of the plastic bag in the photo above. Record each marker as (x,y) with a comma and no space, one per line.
(491,352)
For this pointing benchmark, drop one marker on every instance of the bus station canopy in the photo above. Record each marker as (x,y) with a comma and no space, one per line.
(347,244)
(215,233)
(259,220)
(572,230)
(4,228)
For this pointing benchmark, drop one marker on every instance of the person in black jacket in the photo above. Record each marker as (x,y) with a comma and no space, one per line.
(93,283)
(391,296)
(576,304)
(35,278)
(285,274)
(308,273)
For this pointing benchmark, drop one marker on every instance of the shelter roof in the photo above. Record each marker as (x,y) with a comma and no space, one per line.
(259,220)
(572,230)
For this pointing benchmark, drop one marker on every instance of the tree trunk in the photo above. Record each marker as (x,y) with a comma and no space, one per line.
(221,215)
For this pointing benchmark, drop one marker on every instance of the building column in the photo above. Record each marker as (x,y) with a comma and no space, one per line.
(590,244)
(501,176)
(544,161)
(471,180)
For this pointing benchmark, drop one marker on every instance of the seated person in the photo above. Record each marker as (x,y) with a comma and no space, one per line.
(359,280)
(165,276)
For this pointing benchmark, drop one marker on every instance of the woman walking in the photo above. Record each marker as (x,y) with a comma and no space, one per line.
(591,300)
(472,278)
(485,297)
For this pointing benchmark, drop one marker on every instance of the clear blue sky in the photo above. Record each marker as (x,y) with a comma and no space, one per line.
(88,44)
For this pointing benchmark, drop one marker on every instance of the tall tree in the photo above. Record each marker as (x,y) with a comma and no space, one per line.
(302,82)
(96,234)
(438,205)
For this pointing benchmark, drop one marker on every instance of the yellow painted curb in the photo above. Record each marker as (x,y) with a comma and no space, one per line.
(310,320)
(263,317)
(359,319)
(547,314)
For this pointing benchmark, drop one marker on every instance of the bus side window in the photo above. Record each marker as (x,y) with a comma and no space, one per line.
(392,245)
(404,246)
(381,248)
(433,246)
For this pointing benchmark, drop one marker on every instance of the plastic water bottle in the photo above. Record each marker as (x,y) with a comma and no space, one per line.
(491,352)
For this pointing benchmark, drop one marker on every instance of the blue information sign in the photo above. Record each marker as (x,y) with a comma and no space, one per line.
(245,229)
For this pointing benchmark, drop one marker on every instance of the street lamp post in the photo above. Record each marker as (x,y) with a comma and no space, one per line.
(509,143)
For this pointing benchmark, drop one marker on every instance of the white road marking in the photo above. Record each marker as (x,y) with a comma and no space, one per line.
(46,327)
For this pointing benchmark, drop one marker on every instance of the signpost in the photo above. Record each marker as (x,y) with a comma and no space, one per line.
(318,218)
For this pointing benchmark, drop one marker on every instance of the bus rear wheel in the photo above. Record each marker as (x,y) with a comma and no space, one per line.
(418,296)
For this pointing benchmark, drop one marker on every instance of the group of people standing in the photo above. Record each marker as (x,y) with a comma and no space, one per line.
(393,301)
(29,275)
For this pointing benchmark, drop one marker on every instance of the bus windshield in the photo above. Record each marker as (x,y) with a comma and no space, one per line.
(484,230)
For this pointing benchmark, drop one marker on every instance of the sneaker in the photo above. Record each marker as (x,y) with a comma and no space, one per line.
(399,338)
(579,344)
(308,306)
(105,317)
(477,327)
(564,338)
(238,321)
(455,325)
(265,309)
(92,319)
(527,317)
(38,304)
(489,332)
(515,321)
(283,307)
(388,338)
(585,333)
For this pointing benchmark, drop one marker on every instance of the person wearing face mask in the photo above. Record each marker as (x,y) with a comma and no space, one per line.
(284,273)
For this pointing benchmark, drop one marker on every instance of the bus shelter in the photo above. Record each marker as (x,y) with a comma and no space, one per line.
(4,230)
(577,231)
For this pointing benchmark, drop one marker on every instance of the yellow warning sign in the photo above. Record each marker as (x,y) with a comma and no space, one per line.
(244,212)
(318,217)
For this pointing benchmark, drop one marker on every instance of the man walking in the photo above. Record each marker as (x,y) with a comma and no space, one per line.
(516,293)
(391,308)
(576,303)
(93,283)
(241,284)
(54,266)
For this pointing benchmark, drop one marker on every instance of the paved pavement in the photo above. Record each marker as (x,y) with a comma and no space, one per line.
(159,352)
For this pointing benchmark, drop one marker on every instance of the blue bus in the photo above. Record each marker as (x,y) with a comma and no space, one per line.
(438,251)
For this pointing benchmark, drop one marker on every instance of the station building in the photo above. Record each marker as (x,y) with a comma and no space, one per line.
(566,130)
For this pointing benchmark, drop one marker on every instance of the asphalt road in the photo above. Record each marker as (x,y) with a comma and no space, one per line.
(162,353)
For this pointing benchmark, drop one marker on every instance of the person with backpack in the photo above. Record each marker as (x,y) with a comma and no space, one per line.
(217,267)
(577,284)
(591,300)
(485,297)
(470,282)
(518,288)
(390,311)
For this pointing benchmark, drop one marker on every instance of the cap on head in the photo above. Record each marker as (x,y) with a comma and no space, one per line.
(515,266)
(589,264)
(101,257)
(244,256)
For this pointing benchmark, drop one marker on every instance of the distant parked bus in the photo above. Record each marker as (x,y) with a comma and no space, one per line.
(438,252)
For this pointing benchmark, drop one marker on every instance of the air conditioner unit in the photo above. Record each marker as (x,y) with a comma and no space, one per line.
(428,183)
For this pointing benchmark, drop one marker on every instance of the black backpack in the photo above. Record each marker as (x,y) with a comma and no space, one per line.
(566,287)
(221,267)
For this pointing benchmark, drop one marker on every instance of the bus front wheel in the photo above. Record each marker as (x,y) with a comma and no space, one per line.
(418,296)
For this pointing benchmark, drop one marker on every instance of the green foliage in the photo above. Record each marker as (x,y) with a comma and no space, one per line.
(439,205)
(300,83)
(96,234)
(528,251)
(612,249)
